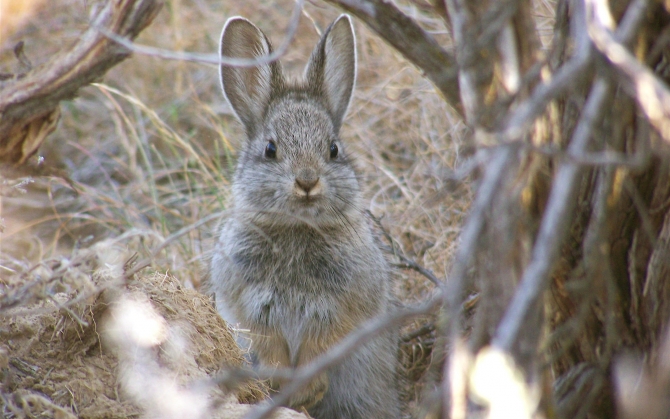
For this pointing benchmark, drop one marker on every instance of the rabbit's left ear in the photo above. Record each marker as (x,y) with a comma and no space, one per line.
(331,70)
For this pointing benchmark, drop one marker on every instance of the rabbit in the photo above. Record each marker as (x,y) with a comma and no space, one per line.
(296,262)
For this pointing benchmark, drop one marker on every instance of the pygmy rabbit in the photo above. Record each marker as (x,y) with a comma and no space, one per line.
(296,262)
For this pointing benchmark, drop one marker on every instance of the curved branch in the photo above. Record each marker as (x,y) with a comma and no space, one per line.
(29,102)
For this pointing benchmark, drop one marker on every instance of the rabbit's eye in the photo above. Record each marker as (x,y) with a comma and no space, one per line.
(271,150)
(333,150)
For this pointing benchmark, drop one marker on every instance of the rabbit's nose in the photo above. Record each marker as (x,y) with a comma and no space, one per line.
(306,180)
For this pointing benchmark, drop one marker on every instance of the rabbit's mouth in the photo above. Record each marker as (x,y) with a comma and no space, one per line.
(308,201)
(308,207)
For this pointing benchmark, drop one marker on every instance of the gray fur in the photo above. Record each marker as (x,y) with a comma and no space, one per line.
(296,263)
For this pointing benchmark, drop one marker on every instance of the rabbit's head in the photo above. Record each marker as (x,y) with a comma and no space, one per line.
(293,167)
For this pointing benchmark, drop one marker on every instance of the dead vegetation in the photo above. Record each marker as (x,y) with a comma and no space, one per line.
(79,338)
(148,150)
(558,259)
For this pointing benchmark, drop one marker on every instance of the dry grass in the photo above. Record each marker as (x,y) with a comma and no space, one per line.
(150,149)
(78,340)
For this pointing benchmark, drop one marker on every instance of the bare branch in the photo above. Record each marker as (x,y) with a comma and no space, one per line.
(639,81)
(555,223)
(637,160)
(570,73)
(474,225)
(567,76)
(495,20)
(407,263)
(469,62)
(470,237)
(561,201)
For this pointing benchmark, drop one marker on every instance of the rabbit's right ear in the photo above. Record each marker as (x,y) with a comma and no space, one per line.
(247,89)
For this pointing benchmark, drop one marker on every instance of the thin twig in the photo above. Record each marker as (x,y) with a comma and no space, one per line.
(72,314)
(638,159)
(405,262)
(468,57)
(172,237)
(212,58)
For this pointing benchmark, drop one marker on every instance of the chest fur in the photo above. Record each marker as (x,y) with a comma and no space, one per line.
(294,279)
(301,287)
